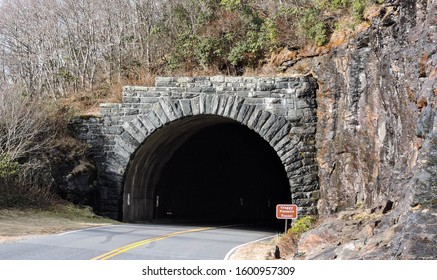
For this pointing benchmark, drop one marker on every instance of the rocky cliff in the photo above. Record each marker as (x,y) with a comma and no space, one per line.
(377,138)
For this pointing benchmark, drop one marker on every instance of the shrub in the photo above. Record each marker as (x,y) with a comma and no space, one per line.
(28,128)
(357,9)
(7,166)
(230,4)
(301,226)
(313,28)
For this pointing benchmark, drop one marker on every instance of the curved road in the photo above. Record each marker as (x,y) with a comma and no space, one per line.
(134,242)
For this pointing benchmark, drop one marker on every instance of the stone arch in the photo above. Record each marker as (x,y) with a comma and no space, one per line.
(280,110)
(206,110)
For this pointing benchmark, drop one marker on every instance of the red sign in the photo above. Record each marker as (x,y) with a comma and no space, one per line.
(286,211)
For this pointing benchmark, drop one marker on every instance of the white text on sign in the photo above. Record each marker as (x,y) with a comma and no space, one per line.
(286,211)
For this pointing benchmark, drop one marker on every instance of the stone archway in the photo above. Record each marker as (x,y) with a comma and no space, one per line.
(281,111)
(151,172)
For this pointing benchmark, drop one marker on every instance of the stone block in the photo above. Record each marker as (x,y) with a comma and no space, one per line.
(242,93)
(134,132)
(146,122)
(279,93)
(305,103)
(298,195)
(149,100)
(202,105)
(249,113)
(154,119)
(233,79)
(121,152)
(115,130)
(228,106)
(294,83)
(128,142)
(149,93)
(265,86)
(261,120)
(214,104)
(294,166)
(130,111)
(237,104)
(195,105)
(249,80)
(254,118)
(274,128)
(309,179)
(126,118)
(208,102)
(168,109)
(184,80)
(306,203)
(217,79)
(295,115)
(185,105)
(141,128)
(189,95)
(303,130)
(195,89)
(223,100)
(259,94)
(208,89)
(267,125)
(165,82)
(159,111)
(280,138)
(291,156)
(243,112)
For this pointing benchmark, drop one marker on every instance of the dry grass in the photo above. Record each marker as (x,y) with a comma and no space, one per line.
(255,251)
(265,250)
(87,102)
(21,224)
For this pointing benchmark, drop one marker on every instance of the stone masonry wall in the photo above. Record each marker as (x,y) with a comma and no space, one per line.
(282,110)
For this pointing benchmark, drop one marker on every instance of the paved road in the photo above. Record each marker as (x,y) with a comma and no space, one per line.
(134,242)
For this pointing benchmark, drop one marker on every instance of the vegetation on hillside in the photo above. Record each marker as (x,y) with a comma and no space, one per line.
(301,226)
(58,47)
(53,52)
(28,129)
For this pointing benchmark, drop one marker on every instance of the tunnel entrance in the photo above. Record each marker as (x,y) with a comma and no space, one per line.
(205,168)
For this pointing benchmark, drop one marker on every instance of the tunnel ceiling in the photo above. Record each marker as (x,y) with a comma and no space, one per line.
(206,168)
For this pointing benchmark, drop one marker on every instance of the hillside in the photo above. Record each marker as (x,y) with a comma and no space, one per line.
(376,139)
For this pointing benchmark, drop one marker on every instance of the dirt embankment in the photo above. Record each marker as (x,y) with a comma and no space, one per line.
(22,224)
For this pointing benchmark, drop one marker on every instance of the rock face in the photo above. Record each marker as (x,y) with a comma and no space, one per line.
(74,175)
(377,134)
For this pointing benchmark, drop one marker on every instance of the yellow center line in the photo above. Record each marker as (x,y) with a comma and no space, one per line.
(134,245)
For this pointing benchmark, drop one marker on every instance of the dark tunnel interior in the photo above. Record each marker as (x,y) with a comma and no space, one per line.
(205,169)
(225,173)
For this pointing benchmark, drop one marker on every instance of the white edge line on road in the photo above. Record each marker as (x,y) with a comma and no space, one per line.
(229,254)
(83,229)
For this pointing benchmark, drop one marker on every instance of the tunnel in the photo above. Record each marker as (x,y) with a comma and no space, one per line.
(204,168)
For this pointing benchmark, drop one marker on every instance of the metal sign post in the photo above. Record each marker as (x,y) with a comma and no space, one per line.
(286,212)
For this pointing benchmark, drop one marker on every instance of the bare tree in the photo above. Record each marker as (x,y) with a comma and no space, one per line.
(54,47)
(24,126)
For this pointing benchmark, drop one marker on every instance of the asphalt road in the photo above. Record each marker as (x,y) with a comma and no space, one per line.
(135,242)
